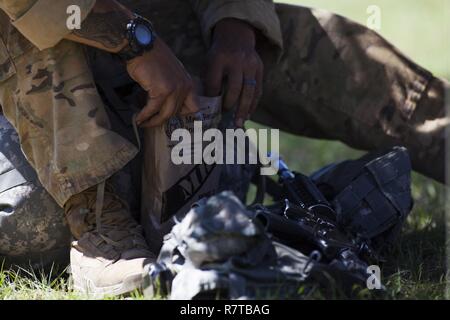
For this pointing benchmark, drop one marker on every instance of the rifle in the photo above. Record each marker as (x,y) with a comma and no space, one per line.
(305,220)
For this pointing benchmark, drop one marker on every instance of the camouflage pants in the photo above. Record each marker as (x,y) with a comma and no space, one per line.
(335,80)
(33,230)
(338,80)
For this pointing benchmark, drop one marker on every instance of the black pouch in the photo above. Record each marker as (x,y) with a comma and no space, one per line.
(371,195)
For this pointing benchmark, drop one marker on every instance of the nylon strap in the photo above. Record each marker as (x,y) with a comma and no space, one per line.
(99,204)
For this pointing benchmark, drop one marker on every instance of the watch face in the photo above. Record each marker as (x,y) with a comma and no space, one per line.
(143,35)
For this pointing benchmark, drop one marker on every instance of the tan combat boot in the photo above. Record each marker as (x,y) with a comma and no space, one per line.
(110,252)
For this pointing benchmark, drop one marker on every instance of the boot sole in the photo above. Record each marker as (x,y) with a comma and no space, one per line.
(88,287)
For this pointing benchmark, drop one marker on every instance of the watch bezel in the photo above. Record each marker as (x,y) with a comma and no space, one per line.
(135,48)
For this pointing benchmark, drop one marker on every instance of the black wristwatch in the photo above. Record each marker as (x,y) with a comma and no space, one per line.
(141,37)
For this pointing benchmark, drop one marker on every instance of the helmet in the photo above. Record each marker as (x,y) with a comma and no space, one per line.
(33,231)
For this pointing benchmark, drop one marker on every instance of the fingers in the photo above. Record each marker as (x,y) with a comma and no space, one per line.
(166,82)
(167,110)
(244,75)
(251,91)
(213,79)
(243,71)
(234,87)
(153,106)
(258,90)
(246,99)
(160,110)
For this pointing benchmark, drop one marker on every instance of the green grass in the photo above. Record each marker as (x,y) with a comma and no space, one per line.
(26,285)
(54,284)
(417,267)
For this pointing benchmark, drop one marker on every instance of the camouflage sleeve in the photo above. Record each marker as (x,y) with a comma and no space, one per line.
(259,13)
(43,22)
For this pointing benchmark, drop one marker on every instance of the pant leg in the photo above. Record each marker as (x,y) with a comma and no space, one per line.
(335,80)
(33,230)
(339,80)
(51,100)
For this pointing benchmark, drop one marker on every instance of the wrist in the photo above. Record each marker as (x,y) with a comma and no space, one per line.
(146,56)
(235,30)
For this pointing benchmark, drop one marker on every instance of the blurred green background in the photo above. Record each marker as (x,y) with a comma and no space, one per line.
(421,29)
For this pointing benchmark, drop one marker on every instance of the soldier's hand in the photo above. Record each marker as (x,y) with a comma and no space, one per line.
(234,61)
(169,86)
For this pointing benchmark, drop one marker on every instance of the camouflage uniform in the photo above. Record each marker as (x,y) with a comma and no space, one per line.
(335,79)
(33,230)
